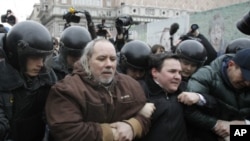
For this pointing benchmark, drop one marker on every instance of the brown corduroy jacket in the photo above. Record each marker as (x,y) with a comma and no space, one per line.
(79,109)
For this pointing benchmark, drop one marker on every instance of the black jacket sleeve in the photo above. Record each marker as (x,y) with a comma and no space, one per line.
(91,26)
(211,53)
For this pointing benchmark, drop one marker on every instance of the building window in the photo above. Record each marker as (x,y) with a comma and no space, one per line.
(108,13)
(150,11)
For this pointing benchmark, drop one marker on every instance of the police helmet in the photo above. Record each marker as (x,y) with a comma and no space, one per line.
(27,38)
(135,54)
(237,44)
(193,51)
(73,39)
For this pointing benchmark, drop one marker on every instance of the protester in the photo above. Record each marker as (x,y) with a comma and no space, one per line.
(97,103)
(227,80)
(162,86)
(25,82)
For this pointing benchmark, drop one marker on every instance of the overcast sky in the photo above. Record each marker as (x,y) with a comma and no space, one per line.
(21,8)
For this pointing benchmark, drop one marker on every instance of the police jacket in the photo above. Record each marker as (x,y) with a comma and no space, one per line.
(231,104)
(22,104)
(168,119)
(58,65)
(79,108)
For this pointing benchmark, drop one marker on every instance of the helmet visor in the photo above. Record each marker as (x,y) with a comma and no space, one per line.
(70,51)
(25,51)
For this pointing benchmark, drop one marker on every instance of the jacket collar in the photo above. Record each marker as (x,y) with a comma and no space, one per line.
(153,87)
(11,79)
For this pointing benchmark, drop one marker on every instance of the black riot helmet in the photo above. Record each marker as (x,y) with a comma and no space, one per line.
(135,54)
(192,51)
(72,41)
(237,44)
(27,38)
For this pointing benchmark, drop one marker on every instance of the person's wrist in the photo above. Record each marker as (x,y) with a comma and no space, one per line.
(135,126)
(115,137)
(217,122)
(201,100)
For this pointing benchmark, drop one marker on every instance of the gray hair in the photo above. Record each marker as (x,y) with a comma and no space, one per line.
(87,53)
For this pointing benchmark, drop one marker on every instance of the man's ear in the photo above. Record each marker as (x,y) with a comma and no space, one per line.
(154,72)
(231,63)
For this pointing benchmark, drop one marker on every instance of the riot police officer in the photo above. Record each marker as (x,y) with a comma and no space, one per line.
(72,41)
(192,56)
(133,59)
(194,34)
(237,44)
(25,81)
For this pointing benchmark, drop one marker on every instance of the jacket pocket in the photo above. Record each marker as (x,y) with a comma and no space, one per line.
(95,112)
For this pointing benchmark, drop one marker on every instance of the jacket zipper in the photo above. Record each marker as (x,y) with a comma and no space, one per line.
(110,117)
(111,97)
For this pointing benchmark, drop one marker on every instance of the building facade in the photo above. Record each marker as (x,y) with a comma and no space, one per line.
(50,12)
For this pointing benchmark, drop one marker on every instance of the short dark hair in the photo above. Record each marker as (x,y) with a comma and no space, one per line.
(156,60)
(155,47)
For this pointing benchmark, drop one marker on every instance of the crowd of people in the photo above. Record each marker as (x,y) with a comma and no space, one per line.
(85,88)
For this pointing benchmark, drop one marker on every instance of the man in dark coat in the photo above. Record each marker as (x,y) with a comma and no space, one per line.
(227,79)
(162,86)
